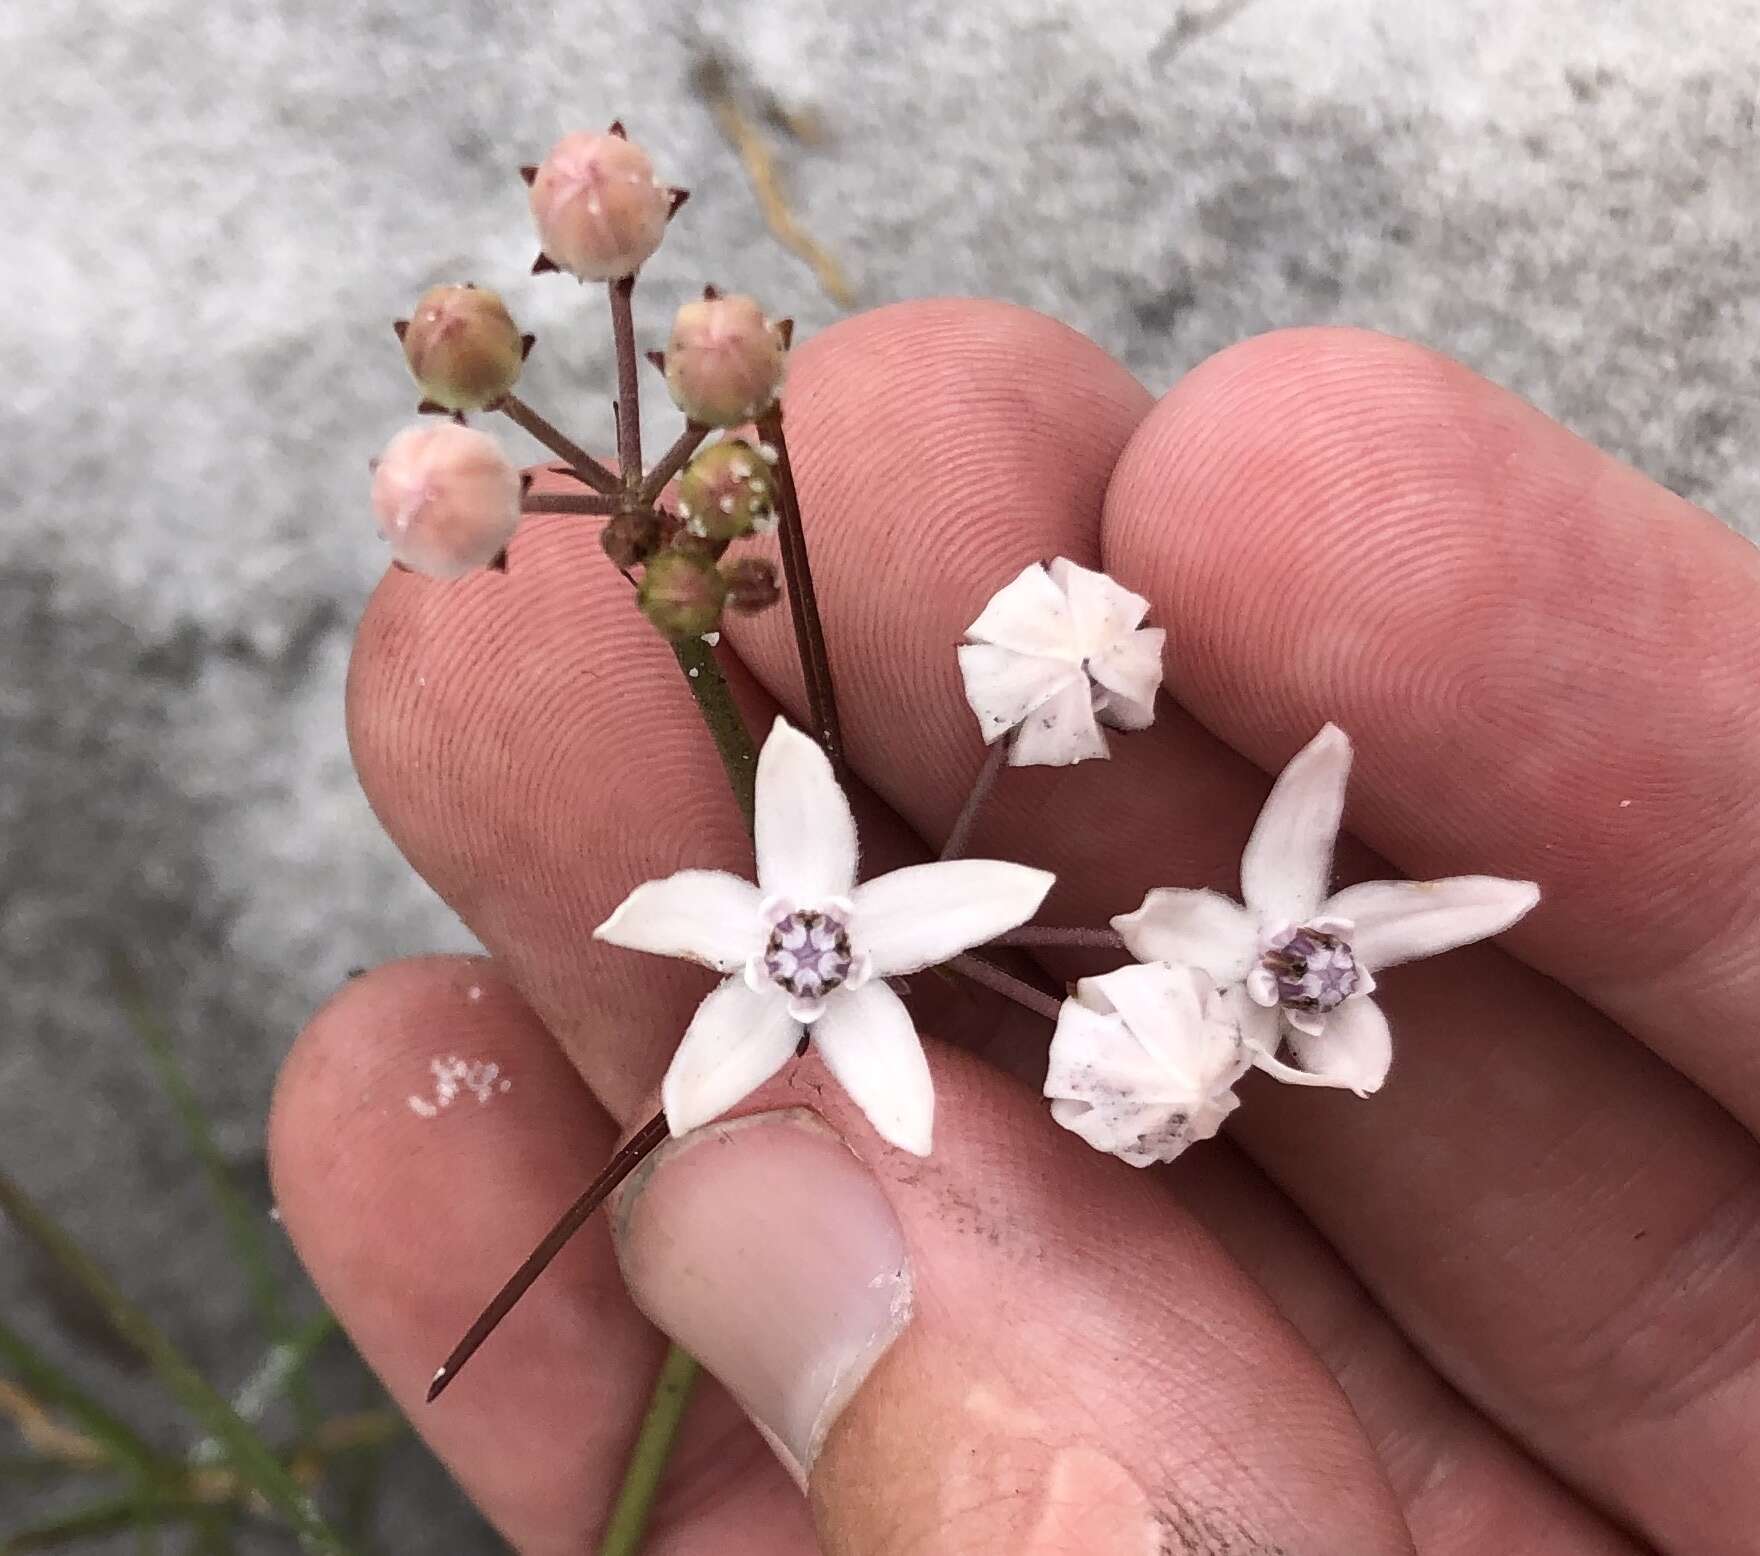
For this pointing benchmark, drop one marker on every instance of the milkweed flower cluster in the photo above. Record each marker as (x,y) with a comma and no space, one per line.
(442,498)
(1290,967)
(1144,1060)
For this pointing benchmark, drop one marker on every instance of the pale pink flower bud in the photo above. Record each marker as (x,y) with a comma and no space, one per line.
(446,498)
(600,211)
(725,361)
(463,347)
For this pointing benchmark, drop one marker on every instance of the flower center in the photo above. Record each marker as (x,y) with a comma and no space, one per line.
(1313,970)
(808,954)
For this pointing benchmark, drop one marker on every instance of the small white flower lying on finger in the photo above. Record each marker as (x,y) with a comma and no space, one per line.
(1057,652)
(1305,960)
(809,948)
(1144,1061)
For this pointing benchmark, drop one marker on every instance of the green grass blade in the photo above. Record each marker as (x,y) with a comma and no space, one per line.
(243,1226)
(250,1457)
(275,1374)
(108,1516)
(55,1390)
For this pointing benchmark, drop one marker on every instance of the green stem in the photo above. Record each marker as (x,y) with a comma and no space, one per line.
(739,757)
(647,1461)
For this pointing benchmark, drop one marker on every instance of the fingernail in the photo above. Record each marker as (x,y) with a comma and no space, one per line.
(766,1249)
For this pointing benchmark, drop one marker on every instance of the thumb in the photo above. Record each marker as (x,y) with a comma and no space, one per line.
(1013,1347)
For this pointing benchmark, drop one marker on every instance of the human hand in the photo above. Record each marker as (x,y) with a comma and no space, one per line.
(1529,1263)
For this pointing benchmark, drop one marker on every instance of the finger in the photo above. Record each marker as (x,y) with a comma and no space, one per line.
(1033,1387)
(405,1205)
(1375,535)
(1592,1296)
(1464,1488)
(1474,1196)
(444,794)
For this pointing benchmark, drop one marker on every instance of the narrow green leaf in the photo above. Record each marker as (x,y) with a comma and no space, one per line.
(253,1460)
(243,1225)
(104,1517)
(56,1390)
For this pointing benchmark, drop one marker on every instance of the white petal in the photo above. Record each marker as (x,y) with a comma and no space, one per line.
(1141,1137)
(1060,732)
(1202,928)
(1288,859)
(1354,1050)
(926,913)
(1165,1010)
(707,916)
(736,1041)
(869,1043)
(1131,672)
(1003,686)
(1029,615)
(1095,1058)
(804,831)
(1101,610)
(1400,921)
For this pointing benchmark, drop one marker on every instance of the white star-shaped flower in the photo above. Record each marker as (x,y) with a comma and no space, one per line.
(1144,1061)
(809,948)
(1304,960)
(1056,653)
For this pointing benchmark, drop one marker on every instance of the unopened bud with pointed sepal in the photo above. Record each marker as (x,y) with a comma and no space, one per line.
(630,539)
(727,491)
(463,347)
(751,585)
(682,593)
(725,361)
(599,209)
(446,498)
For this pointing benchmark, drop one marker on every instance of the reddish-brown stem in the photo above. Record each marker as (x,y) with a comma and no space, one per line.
(571,453)
(629,398)
(567,502)
(639,1147)
(961,833)
(1006,984)
(673,460)
(1048,935)
(803,601)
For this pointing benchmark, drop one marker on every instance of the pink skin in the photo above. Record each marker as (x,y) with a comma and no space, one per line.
(1561,1330)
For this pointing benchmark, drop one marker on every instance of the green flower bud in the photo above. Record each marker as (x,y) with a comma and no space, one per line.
(727,491)
(682,594)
